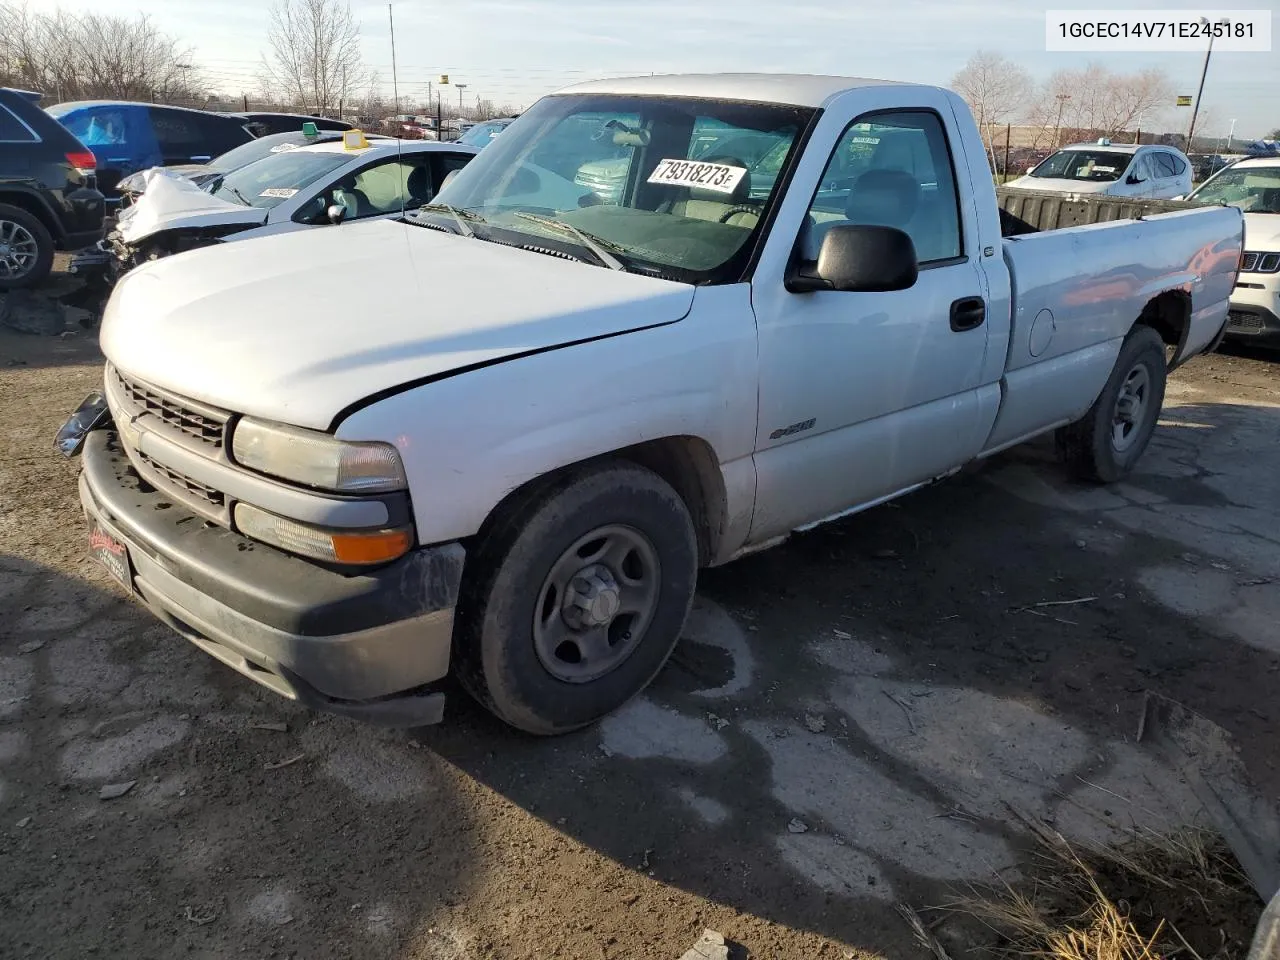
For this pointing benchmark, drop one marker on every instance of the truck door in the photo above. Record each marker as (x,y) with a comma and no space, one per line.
(864,394)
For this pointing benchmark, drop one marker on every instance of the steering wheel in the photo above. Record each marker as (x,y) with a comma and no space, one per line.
(733,211)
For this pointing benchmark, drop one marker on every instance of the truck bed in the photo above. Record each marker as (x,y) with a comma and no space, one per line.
(1035,211)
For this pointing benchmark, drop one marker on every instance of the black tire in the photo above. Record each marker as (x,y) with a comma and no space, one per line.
(15,217)
(507,608)
(1092,447)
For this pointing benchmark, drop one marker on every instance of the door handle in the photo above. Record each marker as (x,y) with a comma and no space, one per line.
(968,313)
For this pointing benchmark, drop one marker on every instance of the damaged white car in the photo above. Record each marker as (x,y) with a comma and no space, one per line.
(322,184)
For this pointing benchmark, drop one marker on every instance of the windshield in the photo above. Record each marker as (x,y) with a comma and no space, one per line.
(671,186)
(1253,190)
(1093,165)
(277,177)
(481,134)
(264,147)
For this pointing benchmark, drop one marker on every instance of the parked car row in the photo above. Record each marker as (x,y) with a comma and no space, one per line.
(60,168)
(655,325)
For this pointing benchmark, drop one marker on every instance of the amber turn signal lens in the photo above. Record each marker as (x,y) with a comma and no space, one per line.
(370,547)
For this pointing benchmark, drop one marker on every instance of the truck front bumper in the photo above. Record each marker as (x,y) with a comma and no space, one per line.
(370,645)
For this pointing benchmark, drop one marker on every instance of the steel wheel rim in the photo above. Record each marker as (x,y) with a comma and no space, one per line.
(18,250)
(1130,409)
(595,604)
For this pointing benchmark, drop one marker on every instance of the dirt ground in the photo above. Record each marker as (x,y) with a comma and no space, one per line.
(844,726)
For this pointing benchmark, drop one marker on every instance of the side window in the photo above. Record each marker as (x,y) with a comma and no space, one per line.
(1143,168)
(386,187)
(447,163)
(13,130)
(177,133)
(891,169)
(217,135)
(1179,165)
(1164,165)
(97,127)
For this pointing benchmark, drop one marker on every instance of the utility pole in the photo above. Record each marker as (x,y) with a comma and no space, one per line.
(1062,99)
(1191,130)
(461,87)
(395,84)
(1231,134)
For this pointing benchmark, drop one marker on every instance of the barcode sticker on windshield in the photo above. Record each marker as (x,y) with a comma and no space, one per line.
(705,176)
(283,193)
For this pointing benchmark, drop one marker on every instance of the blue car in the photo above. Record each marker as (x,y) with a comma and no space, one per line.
(128,137)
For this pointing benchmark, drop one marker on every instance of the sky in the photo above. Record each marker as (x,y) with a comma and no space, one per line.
(513,51)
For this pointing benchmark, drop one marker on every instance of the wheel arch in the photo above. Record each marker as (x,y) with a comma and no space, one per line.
(1169,314)
(35,205)
(687,463)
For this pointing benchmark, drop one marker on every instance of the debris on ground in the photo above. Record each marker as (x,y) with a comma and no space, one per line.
(23,822)
(275,725)
(710,946)
(815,723)
(1153,895)
(718,722)
(199,917)
(111,791)
(796,825)
(283,763)
(31,646)
(841,635)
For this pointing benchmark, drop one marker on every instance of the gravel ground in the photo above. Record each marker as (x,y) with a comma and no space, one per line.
(844,726)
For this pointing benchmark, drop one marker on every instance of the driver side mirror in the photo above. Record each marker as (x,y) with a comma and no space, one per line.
(1133,179)
(859,257)
(336,213)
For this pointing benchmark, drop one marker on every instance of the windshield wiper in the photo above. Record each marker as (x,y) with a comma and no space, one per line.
(238,195)
(594,244)
(460,217)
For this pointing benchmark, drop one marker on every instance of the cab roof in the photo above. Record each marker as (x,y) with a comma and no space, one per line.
(798,89)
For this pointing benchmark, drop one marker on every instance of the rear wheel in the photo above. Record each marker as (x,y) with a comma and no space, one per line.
(26,249)
(575,597)
(1105,444)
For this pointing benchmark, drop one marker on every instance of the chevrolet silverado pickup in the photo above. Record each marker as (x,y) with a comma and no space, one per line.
(512,470)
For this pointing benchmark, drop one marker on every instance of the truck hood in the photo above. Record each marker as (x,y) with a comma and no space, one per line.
(1262,232)
(171,202)
(299,326)
(1052,185)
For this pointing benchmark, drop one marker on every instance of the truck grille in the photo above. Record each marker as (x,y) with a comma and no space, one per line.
(173,482)
(203,424)
(1253,262)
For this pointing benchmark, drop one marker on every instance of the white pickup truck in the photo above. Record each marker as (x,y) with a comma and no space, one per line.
(513,468)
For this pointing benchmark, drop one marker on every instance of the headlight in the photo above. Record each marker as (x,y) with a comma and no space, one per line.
(133,183)
(316,459)
(338,546)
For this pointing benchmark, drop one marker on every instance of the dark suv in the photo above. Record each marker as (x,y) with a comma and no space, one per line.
(48,197)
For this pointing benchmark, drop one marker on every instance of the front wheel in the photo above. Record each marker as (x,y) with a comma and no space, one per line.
(1105,444)
(575,597)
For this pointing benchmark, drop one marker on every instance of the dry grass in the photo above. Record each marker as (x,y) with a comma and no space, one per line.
(1153,897)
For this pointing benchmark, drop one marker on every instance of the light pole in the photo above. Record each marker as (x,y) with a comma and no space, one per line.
(1062,99)
(461,87)
(1231,134)
(1203,72)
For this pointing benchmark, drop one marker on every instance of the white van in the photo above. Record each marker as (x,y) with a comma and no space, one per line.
(1114,170)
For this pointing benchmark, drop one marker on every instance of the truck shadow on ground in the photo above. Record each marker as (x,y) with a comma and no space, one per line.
(241,822)
(850,716)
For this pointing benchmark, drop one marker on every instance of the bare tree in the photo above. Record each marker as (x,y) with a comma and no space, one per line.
(314,59)
(1095,102)
(994,87)
(69,56)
